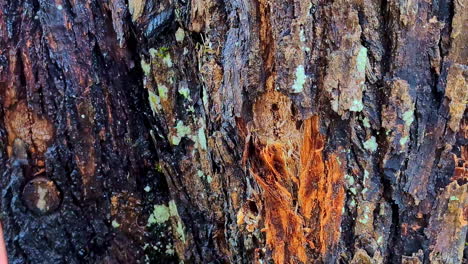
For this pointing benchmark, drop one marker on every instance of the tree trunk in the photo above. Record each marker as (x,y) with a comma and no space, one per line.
(242,131)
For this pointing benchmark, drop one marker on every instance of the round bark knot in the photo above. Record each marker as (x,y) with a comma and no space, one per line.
(41,195)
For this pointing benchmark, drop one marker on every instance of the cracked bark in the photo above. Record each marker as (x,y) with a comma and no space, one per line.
(237,131)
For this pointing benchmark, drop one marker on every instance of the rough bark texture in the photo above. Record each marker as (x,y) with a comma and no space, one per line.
(241,131)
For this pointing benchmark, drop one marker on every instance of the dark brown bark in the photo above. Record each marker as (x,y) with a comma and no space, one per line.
(244,131)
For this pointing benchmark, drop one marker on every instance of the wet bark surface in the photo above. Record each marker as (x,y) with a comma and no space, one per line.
(245,131)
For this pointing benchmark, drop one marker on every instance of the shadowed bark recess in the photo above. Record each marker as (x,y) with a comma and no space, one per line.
(242,131)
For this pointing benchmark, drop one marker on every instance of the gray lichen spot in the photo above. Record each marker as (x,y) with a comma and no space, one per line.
(371,144)
(180,35)
(41,202)
(147,189)
(41,195)
(298,85)
(335,105)
(59,7)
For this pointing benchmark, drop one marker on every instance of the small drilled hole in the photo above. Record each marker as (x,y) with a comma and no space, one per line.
(274,107)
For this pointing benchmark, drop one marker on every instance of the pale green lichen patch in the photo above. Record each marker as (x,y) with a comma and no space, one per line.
(167,60)
(205,98)
(203,176)
(179,227)
(366,175)
(364,191)
(115,224)
(147,189)
(300,80)
(200,174)
(380,240)
(202,138)
(404,140)
(169,251)
(361,60)
(180,35)
(154,101)
(181,131)
(159,168)
(160,214)
(349,179)
(365,122)
(185,92)
(301,35)
(173,208)
(363,217)
(163,91)
(371,144)
(408,117)
(146,67)
(162,53)
(166,217)
(356,106)
(153,52)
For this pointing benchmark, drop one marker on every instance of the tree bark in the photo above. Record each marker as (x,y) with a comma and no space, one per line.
(243,131)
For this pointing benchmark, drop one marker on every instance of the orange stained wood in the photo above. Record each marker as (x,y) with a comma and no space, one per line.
(320,196)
